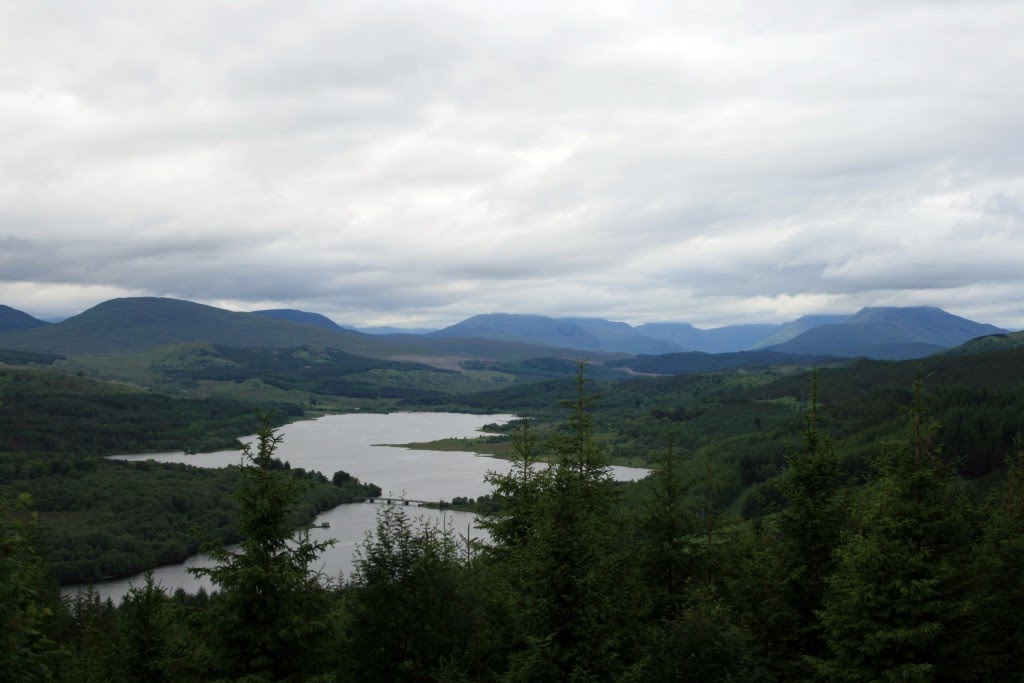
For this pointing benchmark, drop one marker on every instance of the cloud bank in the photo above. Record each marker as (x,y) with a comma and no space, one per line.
(417,163)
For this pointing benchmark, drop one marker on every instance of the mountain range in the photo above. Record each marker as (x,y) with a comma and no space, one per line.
(882,333)
(136,324)
(889,333)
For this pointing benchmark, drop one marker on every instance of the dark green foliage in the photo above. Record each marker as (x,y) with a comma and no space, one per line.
(567,579)
(754,419)
(267,621)
(105,518)
(517,494)
(990,343)
(307,369)
(809,528)
(51,412)
(537,369)
(695,362)
(28,358)
(95,640)
(146,625)
(896,607)
(26,651)
(409,610)
(699,643)
(666,526)
(999,576)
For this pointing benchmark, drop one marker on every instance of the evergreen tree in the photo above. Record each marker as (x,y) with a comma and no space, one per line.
(145,628)
(408,611)
(809,526)
(26,651)
(268,620)
(95,645)
(896,606)
(666,527)
(999,569)
(571,592)
(517,493)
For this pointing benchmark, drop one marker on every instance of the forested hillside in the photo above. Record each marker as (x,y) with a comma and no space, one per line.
(898,571)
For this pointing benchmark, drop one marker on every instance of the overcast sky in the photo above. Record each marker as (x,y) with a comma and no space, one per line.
(415,163)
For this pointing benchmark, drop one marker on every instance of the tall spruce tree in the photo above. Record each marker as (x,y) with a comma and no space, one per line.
(570,592)
(517,493)
(145,627)
(896,606)
(268,620)
(666,525)
(810,525)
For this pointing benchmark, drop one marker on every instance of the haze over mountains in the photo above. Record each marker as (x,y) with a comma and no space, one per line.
(885,333)
(135,324)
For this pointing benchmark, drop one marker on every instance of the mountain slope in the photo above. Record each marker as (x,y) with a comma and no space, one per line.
(797,327)
(616,336)
(685,335)
(734,337)
(585,334)
(727,339)
(989,343)
(135,325)
(889,334)
(694,362)
(300,317)
(537,329)
(13,320)
(932,325)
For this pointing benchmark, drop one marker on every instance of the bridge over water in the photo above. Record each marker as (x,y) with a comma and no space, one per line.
(398,500)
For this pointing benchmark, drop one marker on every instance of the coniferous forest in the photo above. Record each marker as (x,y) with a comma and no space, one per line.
(901,570)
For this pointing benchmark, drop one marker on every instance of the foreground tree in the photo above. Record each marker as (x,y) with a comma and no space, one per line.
(26,652)
(999,568)
(145,625)
(268,621)
(570,588)
(896,607)
(408,611)
(666,527)
(809,529)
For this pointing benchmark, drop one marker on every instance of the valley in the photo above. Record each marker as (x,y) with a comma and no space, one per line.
(724,434)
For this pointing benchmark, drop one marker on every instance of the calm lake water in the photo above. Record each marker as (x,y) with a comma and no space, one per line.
(350,443)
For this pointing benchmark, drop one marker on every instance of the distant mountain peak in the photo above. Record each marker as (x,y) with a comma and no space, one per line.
(889,332)
(585,334)
(13,320)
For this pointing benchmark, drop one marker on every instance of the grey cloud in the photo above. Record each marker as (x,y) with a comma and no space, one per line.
(719,163)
